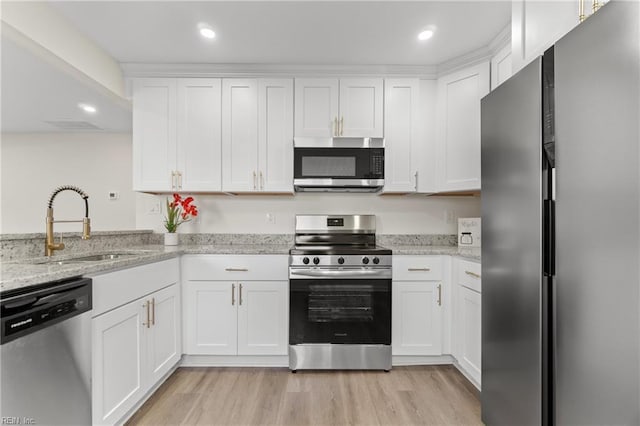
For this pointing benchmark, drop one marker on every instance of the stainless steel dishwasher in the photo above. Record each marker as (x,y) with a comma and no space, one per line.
(46,354)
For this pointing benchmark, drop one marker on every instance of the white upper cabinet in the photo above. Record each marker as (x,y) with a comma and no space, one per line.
(240,135)
(361,107)
(154,138)
(458,140)
(316,107)
(275,135)
(500,66)
(199,134)
(401,117)
(176,135)
(536,25)
(257,135)
(350,107)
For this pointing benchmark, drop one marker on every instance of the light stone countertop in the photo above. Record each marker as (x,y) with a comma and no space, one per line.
(463,252)
(28,272)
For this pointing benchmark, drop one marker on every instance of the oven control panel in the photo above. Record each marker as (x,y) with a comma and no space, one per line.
(364,260)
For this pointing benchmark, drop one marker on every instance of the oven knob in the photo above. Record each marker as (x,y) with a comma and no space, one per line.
(316,260)
(341,260)
(365,260)
(305,260)
(376,260)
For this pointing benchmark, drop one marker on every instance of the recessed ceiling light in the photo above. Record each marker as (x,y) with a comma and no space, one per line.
(425,35)
(89,109)
(206,31)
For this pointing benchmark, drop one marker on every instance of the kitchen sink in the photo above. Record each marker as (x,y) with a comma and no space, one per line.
(81,259)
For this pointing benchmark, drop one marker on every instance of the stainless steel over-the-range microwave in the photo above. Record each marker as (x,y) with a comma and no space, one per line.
(338,164)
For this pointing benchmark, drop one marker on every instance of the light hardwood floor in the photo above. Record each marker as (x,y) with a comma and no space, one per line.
(422,395)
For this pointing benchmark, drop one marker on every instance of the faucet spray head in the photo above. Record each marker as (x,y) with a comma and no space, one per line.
(86,228)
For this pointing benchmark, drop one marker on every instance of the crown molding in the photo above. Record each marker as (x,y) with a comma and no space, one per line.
(132,70)
(501,40)
(467,60)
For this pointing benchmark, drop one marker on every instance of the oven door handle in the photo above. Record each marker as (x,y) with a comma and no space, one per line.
(385,273)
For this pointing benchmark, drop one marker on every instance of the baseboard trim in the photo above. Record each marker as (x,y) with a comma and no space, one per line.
(467,375)
(234,361)
(402,360)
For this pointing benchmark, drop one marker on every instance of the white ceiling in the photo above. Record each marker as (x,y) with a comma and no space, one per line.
(35,90)
(289,32)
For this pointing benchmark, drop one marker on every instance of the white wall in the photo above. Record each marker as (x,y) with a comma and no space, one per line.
(33,165)
(248,214)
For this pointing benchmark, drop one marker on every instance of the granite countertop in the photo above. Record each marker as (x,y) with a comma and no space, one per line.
(26,272)
(463,252)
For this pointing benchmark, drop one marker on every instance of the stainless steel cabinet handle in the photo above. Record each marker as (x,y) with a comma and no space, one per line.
(334,126)
(236,269)
(240,299)
(473,274)
(418,269)
(254,179)
(233,294)
(439,294)
(415,175)
(153,311)
(148,323)
(179,180)
(341,126)
(261,181)
(173,179)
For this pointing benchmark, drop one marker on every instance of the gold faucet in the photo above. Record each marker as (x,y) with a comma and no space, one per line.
(50,245)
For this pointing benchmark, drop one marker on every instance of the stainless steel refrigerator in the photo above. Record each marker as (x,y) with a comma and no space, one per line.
(561,234)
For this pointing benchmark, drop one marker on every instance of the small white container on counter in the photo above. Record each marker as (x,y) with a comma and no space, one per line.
(469,232)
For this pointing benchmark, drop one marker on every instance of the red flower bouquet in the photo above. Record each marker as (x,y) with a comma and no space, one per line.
(179,211)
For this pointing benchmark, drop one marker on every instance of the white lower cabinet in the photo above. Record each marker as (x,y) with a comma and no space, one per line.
(467,344)
(236,318)
(134,345)
(242,315)
(417,305)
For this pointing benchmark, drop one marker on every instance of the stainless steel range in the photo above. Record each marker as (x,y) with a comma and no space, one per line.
(340,295)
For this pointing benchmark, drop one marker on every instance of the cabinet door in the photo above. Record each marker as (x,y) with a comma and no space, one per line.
(459,97)
(361,110)
(154,134)
(119,348)
(199,134)
(164,346)
(401,135)
(210,318)
(470,332)
(316,107)
(416,318)
(275,130)
(239,135)
(501,67)
(263,311)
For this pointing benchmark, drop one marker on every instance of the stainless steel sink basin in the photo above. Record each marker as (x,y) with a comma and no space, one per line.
(81,259)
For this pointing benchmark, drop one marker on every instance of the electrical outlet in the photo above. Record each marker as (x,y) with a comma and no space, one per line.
(271,218)
(153,208)
(449,216)
(114,195)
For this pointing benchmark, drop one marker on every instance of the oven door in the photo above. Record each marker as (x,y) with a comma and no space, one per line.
(340,311)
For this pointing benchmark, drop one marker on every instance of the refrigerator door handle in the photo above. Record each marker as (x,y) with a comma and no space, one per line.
(548,238)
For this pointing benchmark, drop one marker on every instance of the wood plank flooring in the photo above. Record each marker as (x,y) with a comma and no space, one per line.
(421,395)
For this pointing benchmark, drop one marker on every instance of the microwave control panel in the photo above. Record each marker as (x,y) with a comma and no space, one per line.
(377,162)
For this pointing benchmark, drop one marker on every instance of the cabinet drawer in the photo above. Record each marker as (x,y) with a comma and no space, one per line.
(469,275)
(223,267)
(114,289)
(417,268)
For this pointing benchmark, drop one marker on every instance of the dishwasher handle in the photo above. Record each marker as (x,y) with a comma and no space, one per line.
(26,311)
